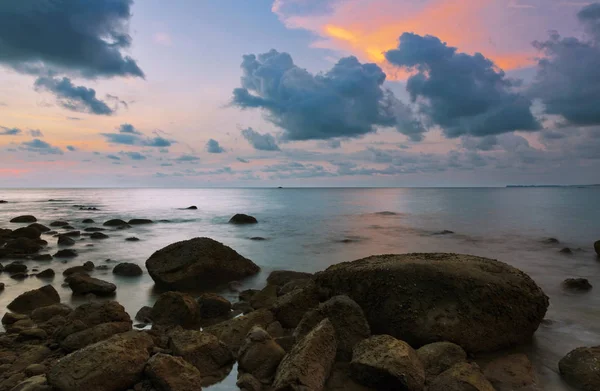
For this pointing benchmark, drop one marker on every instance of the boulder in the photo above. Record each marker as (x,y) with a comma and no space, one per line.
(438,357)
(115,364)
(88,221)
(36,298)
(340,380)
(461,377)
(19,276)
(197,261)
(581,368)
(193,207)
(82,284)
(597,247)
(94,334)
(290,308)
(127,269)
(115,223)
(140,221)
(384,362)
(46,274)
(40,227)
(35,370)
(308,364)
(443,297)
(233,332)
(24,219)
(72,234)
(511,373)
(26,232)
(247,382)
(15,267)
(33,383)
(213,306)
(23,246)
(347,319)
(176,308)
(132,239)
(77,269)
(42,257)
(260,355)
(43,314)
(144,314)
(59,223)
(66,253)
(92,314)
(241,218)
(98,236)
(94,229)
(65,241)
(282,277)
(168,373)
(577,284)
(264,298)
(203,350)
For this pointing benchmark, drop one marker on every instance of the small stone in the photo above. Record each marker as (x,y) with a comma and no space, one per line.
(132,239)
(48,273)
(66,253)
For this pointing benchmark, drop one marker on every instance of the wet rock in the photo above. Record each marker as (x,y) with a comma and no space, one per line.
(65,241)
(33,383)
(92,314)
(247,382)
(1,286)
(3,202)
(32,354)
(98,236)
(347,319)
(193,207)
(258,238)
(82,284)
(72,234)
(340,380)
(35,370)
(203,350)
(168,373)
(176,308)
(241,218)
(290,308)
(40,227)
(551,241)
(597,247)
(247,294)
(233,332)
(566,250)
(81,339)
(127,269)
(282,277)
(24,219)
(9,318)
(46,274)
(65,253)
(461,377)
(577,284)
(19,276)
(114,364)
(23,246)
(580,368)
(309,363)
(264,298)
(511,373)
(59,224)
(26,232)
(443,232)
(94,229)
(42,257)
(88,221)
(384,362)
(77,269)
(36,298)
(197,261)
(438,357)
(140,221)
(43,314)
(132,239)
(242,306)
(115,223)
(260,355)
(30,334)
(89,265)
(15,267)
(212,305)
(144,314)
(448,297)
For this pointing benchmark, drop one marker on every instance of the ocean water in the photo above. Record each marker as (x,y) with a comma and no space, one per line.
(310,229)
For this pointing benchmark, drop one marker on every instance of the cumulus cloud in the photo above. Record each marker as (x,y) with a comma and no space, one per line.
(41,147)
(72,97)
(129,135)
(88,38)
(261,142)
(128,128)
(4,131)
(347,101)
(134,155)
(462,93)
(212,146)
(568,75)
(35,133)
(71,148)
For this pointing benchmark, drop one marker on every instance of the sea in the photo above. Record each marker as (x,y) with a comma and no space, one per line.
(309,229)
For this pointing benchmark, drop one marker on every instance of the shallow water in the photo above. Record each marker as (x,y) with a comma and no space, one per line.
(310,229)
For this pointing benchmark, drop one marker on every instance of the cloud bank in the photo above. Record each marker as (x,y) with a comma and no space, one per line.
(71,97)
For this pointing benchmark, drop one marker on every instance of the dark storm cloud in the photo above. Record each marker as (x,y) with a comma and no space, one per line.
(261,142)
(212,146)
(39,146)
(568,76)
(129,135)
(4,131)
(81,36)
(72,97)
(462,93)
(347,101)
(35,133)
(486,143)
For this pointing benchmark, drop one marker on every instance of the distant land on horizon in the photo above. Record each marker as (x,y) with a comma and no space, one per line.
(591,185)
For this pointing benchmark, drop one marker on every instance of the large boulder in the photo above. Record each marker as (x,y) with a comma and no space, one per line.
(213,305)
(39,227)
(128,269)
(36,298)
(23,246)
(425,298)
(114,364)
(386,363)
(43,314)
(82,284)
(308,364)
(176,309)
(94,334)
(581,368)
(198,261)
(512,373)
(438,357)
(140,221)
(291,307)
(91,314)
(260,355)
(241,218)
(347,318)
(26,232)
(24,219)
(203,350)
(115,223)
(282,277)
(169,373)
(461,377)
(233,332)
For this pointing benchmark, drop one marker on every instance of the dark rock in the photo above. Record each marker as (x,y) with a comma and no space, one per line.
(65,241)
(26,232)
(98,236)
(9,318)
(24,219)
(66,253)
(39,227)
(72,234)
(293,285)
(140,221)
(340,380)
(67,227)
(89,265)
(233,332)
(176,308)
(513,372)
(32,334)
(88,221)
(77,269)
(59,224)
(92,314)
(597,247)
(309,363)
(448,297)
(258,238)
(23,246)
(43,314)
(260,355)
(212,305)
(247,294)
(47,273)
(3,202)
(241,218)
(193,207)
(127,269)
(15,267)
(566,250)
(242,306)
(264,298)
(551,241)
(42,257)
(168,373)
(438,357)
(94,334)
(82,284)
(132,239)
(247,382)
(282,277)
(197,261)
(461,376)
(577,284)
(144,314)
(115,223)
(290,308)
(1,286)
(94,229)
(19,276)
(36,298)
(347,319)
(114,364)
(579,368)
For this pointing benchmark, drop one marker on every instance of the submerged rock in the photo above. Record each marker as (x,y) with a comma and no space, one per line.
(98,236)
(241,218)
(59,224)
(597,247)
(24,219)
(577,284)
(24,246)
(42,257)
(132,239)
(15,267)
(581,368)
(115,223)
(88,221)
(36,298)
(168,373)
(127,269)
(66,253)
(566,250)
(193,207)
(26,232)
(82,284)
(198,261)
(65,241)
(94,229)
(444,297)
(39,227)
(46,274)
(140,221)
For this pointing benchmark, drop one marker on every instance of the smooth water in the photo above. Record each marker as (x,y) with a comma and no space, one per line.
(310,229)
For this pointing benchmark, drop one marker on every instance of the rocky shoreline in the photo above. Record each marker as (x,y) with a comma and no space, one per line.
(388,322)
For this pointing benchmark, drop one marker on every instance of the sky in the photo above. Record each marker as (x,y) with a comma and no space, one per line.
(207,93)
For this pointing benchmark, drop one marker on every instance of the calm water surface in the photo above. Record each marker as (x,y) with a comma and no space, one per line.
(310,229)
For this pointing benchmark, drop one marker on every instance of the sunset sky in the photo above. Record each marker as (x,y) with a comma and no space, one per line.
(192,93)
